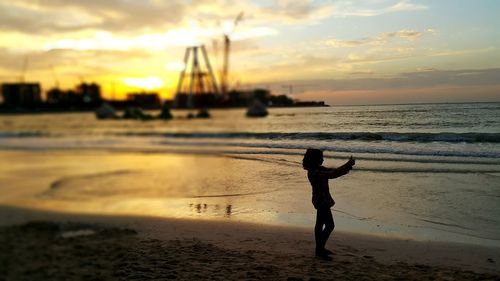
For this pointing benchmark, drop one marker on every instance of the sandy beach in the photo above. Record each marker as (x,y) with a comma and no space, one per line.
(41,245)
(249,140)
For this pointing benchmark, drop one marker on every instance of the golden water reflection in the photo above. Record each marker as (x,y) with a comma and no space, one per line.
(201,208)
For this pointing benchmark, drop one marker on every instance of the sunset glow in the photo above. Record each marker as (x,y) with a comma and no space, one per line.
(148,83)
(322,48)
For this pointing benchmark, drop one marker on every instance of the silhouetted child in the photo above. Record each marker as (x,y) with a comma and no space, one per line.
(322,200)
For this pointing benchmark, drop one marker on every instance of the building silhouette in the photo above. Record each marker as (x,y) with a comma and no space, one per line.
(21,94)
(145,100)
(90,93)
(85,95)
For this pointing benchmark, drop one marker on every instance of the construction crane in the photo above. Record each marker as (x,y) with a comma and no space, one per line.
(54,75)
(227,50)
(23,70)
(297,88)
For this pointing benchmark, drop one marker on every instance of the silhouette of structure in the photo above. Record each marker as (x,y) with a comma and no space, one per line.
(309,103)
(200,89)
(244,98)
(85,95)
(197,86)
(21,94)
(145,100)
(224,77)
(90,93)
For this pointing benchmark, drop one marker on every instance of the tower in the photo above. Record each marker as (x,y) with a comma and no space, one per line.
(199,88)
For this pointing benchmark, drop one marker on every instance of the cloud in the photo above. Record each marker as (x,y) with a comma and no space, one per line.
(365,72)
(294,12)
(131,17)
(359,9)
(381,39)
(292,64)
(264,12)
(408,80)
(23,19)
(423,85)
(154,24)
(48,16)
(443,53)
(404,6)
(66,58)
(308,11)
(56,16)
(377,55)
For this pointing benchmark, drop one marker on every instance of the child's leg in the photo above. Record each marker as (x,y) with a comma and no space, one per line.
(329,226)
(322,219)
(318,229)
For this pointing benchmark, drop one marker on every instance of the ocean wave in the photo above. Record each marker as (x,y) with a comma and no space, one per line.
(408,170)
(444,137)
(22,134)
(323,136)
(377,157)
(266,147)
(411,152)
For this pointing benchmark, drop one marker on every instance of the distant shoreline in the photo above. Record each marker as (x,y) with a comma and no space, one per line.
(4,111)
(87,110)
(417,103)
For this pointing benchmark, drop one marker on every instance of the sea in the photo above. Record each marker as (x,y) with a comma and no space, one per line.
(423,171)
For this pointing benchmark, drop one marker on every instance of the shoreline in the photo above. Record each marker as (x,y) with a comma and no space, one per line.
(270,242)
(92,110)
(7,112)
(73,180)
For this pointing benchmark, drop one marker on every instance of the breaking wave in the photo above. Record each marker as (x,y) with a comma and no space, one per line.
(346,136)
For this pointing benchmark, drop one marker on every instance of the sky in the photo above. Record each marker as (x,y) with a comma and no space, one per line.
(338,51)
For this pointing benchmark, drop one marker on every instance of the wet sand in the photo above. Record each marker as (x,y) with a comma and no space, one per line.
(271,189)
(41,245)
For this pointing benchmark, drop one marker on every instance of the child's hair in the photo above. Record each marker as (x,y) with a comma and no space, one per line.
(312,159)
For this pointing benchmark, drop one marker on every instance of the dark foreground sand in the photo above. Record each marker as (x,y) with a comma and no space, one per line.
(75,247)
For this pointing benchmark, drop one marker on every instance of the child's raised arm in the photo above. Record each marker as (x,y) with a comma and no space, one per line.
(332,173)
(344,169)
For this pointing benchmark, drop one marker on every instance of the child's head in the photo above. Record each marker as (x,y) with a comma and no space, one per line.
(312,159)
